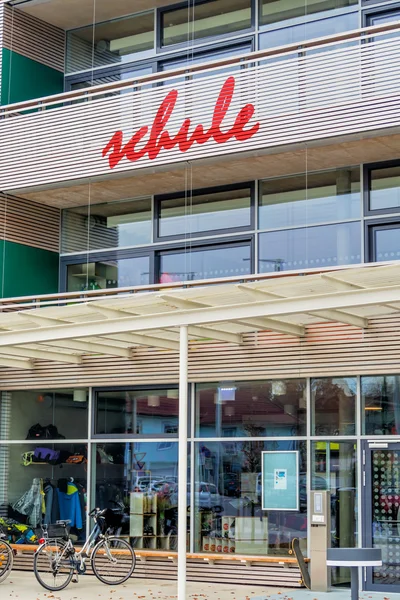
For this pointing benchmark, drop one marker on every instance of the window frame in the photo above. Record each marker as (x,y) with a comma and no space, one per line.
(138,436)
(370,227)
(367,189)
(198,246)
(90,257)
(369,9)
(160,48)
(293,21)
(158,199)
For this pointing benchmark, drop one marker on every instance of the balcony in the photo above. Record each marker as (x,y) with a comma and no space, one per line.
(235,119)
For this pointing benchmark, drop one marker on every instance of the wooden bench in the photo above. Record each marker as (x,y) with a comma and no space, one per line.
(213,568)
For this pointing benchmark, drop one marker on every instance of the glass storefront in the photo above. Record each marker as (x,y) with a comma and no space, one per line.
(126,459)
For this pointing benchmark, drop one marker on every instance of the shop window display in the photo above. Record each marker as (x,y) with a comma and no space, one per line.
(333,404)
(44,414)
(228,500)
(140,479)
(48,482)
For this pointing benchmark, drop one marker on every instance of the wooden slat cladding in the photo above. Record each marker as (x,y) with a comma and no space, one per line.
(34,38)
(327,349)
(29,223)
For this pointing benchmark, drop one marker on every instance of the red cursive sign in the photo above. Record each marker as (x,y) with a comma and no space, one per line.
(160,138)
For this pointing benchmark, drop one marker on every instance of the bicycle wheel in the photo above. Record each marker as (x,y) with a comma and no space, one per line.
(6,560)
(113,561)
(53,565)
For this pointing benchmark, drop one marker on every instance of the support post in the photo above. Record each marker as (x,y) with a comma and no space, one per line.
(183,460)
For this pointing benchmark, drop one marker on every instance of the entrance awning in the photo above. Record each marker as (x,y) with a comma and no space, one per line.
(211,310)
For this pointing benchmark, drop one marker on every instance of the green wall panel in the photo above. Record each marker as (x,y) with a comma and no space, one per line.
(29,78)
(27,271)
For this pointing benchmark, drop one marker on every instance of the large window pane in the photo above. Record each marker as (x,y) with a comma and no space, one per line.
(44,414)
(272,11)
(207,19)
(310,247)
(335,469)
(386,243)
(115,42)
(209,263)
(137,412)
(43,471)
(333,406)
(111,225)
(124,272)
(205,212)
(306,199)
(140,479)
(381,405)
(385,188)
(259,408)
(227,496)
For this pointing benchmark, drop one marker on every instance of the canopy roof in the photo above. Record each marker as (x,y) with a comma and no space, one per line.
(214,311)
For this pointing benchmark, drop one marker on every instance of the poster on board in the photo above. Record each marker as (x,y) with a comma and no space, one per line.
(280,480)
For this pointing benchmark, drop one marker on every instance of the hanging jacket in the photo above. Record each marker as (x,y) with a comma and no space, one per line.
(70,506)
(30,503)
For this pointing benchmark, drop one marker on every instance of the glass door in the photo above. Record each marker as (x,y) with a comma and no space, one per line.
(382,513)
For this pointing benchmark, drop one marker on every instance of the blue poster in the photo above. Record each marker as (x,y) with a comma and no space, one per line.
(280,480)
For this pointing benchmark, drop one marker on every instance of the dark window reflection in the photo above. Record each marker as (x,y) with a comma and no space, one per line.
(265,408)
(333,406)
(124,272)
(137,412)
(381,404)
(222,261)
(228,500)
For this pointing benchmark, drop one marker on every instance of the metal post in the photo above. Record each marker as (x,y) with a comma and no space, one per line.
(182,465)
(354,583)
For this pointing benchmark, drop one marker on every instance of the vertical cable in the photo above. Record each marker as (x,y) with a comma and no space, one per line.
(90,181)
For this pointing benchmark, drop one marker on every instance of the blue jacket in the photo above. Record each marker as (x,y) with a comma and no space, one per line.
(70,507)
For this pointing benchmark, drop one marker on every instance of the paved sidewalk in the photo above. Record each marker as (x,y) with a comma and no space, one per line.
(23,586)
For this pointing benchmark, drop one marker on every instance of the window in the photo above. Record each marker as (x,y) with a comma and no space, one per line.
(333,406)
(258,408)
(225,260)
(117,412)
(310,247)
(207,19)
(124,272)
(306,199)
(142,480)
(227,498)
(380,405)
(273,11)
(384,242)
(205,211)
(111,225)
(384,189)
(115,42)
(41,415)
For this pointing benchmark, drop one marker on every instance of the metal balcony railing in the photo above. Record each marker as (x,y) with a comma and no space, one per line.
(331,87)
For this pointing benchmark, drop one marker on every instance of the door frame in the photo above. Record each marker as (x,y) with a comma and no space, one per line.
(367,447)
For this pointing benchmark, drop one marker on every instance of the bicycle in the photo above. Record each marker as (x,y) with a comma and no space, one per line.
(56,561)
(6,558)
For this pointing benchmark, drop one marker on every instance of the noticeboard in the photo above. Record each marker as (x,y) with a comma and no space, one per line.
(280,480)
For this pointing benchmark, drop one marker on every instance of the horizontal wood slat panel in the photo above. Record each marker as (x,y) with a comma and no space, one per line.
(327,349)
(34,38)
(335,92)
(29,223)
